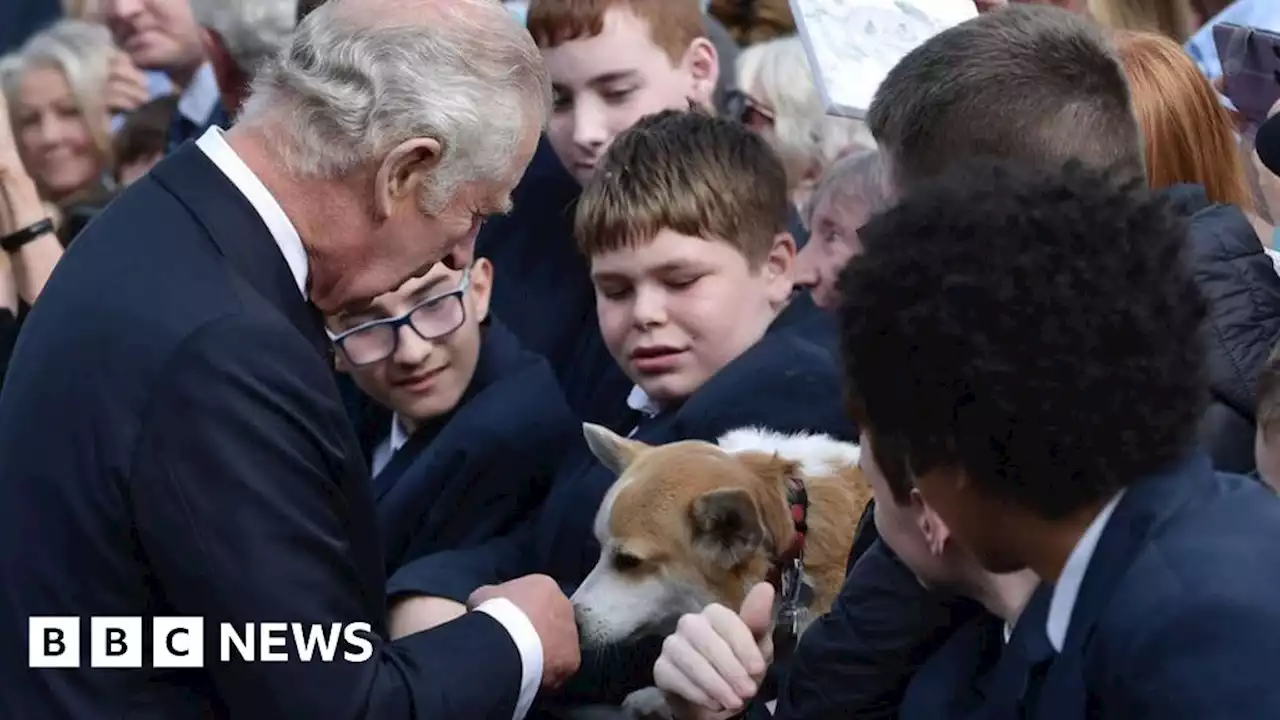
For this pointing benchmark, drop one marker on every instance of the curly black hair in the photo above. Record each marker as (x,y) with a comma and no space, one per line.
(1039,331)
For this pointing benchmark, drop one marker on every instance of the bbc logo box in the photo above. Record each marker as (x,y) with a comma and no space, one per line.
(115,642)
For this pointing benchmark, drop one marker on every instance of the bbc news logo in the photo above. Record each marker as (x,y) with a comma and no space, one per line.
(179,642)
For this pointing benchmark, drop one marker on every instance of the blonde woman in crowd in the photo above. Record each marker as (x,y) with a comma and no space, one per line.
(24,268)
(1189,134)
(56,86)
(777,97)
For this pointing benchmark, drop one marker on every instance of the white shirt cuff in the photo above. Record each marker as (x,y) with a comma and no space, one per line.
(527,643)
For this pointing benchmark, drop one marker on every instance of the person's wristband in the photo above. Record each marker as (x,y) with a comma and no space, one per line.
(14,241)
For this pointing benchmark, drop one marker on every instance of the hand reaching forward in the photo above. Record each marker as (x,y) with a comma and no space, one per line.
(552,616)
(711,667)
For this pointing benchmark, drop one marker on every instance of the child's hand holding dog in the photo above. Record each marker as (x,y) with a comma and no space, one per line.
(711,667)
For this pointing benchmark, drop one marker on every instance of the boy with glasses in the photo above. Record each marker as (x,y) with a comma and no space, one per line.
(693,270)
(477,422)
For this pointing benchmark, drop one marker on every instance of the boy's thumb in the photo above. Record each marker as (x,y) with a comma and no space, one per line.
(757,609)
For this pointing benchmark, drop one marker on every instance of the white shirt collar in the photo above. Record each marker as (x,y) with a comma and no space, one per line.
(398,435)
(215,146)
(200,96)
(1063,600)
(640,401)
(388,447)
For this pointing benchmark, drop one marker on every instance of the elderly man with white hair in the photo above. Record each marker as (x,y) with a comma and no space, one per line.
(176,463)
(238,37)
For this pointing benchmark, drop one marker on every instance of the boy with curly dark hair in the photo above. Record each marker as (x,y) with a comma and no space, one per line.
(1024,348)
(1037,86)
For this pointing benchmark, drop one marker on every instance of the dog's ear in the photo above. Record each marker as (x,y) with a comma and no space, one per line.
(611,449)
(726,526)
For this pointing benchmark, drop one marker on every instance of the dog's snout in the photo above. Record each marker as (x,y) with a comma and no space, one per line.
(580,617)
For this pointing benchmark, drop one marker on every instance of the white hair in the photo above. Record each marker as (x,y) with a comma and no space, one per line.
(251,30)
(858,177)
(804,131)
(350,87)
(82,52)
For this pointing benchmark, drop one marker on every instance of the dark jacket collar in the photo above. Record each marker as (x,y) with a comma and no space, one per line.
(501,355)
(240,235)
(1145,507)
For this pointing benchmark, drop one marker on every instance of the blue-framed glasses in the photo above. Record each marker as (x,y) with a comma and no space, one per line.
(431,319)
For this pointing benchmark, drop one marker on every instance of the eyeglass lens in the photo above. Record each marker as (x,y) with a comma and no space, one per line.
(431,320)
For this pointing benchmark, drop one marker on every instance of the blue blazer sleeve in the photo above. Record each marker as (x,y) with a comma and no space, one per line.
(455,574)
(1167,676)
(485,473)
(857,660)
(241,520)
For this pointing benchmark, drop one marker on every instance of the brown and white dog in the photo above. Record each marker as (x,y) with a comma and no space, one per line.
(691,523)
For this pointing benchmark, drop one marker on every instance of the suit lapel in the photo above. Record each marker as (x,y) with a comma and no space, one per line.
(1145,506)
(1005,688)
(240,235)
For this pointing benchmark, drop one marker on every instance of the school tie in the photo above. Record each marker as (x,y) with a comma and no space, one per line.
(1012,688)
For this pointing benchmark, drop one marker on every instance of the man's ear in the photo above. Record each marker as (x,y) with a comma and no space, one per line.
(727,527)
(611,449)
(404,172)
(935,531)
(481,286)
(703,66)
(780,268)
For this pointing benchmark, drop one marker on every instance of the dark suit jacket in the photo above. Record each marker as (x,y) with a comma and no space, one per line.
(975,674)
(20,20)
(1178,615)
(857,660)
(476,472)
(172,443)
(783,382)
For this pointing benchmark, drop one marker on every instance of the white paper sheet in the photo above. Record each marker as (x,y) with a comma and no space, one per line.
(852,44)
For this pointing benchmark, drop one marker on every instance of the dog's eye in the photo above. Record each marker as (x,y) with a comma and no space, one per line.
(622,562)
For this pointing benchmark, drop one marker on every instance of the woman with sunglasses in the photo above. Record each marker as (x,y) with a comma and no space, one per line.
(477,422)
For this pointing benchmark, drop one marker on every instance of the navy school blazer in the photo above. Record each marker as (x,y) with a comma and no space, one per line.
(1178,615)
(784,382)
(976,674)
(476,472)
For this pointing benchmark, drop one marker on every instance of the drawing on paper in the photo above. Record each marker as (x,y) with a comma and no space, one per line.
(852,44)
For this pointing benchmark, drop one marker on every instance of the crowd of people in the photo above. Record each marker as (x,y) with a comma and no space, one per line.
(303,305)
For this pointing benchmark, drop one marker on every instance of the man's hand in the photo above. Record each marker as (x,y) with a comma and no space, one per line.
(126,87)
(711,667)
(551,613)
